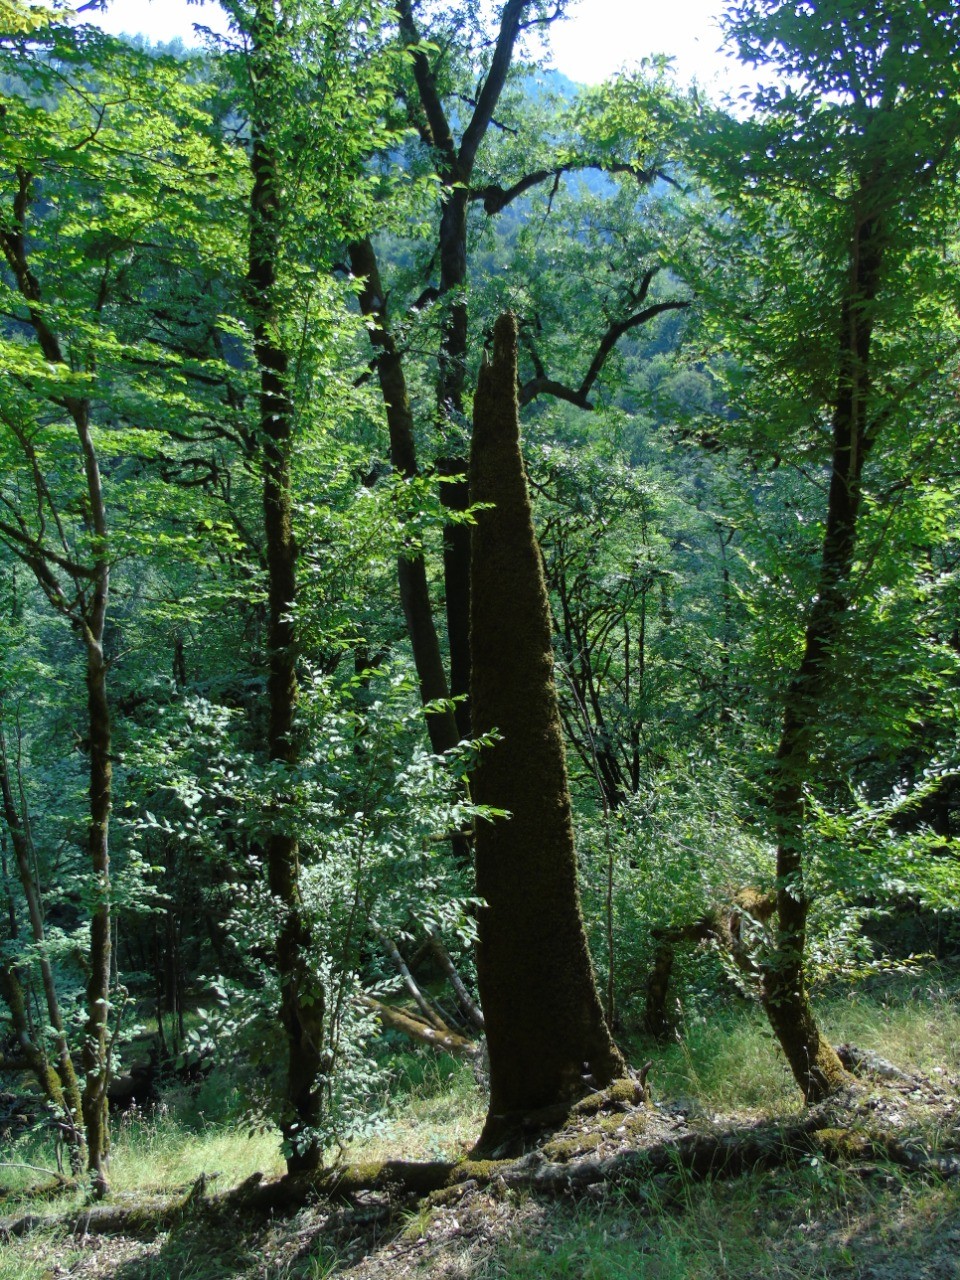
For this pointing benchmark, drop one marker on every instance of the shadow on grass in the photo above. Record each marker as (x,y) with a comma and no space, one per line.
(812,1223)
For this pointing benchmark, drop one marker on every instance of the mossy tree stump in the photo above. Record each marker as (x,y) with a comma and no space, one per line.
(548,1041)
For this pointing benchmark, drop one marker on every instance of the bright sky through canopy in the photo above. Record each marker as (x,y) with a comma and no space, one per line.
(600,37)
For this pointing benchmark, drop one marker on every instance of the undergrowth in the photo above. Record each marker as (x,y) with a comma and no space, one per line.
(814,1220)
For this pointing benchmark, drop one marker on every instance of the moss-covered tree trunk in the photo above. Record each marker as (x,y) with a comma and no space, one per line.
(547,1038)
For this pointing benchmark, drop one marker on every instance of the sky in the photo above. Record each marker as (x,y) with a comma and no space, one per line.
(601,36)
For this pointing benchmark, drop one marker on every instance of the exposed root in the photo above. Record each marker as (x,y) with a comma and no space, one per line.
(613,1138)
(867,1065)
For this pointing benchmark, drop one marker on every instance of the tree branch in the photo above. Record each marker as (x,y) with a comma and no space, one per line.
(439,128)
(496,197)
(580,396)
(510,26)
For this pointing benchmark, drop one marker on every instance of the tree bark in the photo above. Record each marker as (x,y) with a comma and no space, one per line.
(411,569)
(656,1021)
(547,1038)
(95,1054)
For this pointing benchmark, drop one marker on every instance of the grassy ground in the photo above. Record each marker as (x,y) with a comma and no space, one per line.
(815,1220)
(732,1062)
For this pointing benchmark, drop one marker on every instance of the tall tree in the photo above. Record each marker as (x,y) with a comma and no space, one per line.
(311,97)
(452,93)
(843,184)
(91,139)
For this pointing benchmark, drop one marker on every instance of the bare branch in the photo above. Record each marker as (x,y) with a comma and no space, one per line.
(546,20)
(496,197)
(497,124)
(30,549)
(580,396)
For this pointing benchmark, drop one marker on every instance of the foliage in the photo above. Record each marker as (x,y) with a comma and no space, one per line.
(678,272)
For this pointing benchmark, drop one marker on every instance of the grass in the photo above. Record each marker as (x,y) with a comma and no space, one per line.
(158,1153)
(913,1023)
(789,1225)
(804,1223)
(437,1115)
(733,1063)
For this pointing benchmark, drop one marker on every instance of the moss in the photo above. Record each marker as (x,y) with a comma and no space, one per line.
(464,1178)
(569,1146)
(625,1091)
(621,1125)
(842,1144)
(632,1122)
(478,1170)
(363,1175)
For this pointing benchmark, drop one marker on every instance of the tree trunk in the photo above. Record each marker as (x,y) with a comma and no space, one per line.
(87,612)
(411,569)
(547,1038)
(64,1092)
(95,1054)
(454,493)
(302,1004)
(815,1066)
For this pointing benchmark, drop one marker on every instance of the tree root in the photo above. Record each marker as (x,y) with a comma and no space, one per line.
(826,1131)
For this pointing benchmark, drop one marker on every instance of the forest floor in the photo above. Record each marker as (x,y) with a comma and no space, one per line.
(850,1192)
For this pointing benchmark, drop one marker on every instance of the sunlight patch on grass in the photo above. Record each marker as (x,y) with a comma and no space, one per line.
(915,1025)
(154,1152)
(729,1064)
(438,1116)
(733,1063)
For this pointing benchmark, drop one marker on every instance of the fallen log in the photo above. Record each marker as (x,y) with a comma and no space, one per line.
(439,1036)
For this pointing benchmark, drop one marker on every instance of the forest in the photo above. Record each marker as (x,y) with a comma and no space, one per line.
(479,649)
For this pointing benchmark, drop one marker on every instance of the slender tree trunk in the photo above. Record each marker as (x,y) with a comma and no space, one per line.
(87,611)
(411,569)
(455,165)
(302,1004)
(454,493)
(546,1033)
(95,1054)
(468,1005)
(66,1094)
(814,1063)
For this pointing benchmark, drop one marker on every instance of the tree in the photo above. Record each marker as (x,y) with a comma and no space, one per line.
(312,102)
(89,147)
(842,184)
(451,92)
(546,1034)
